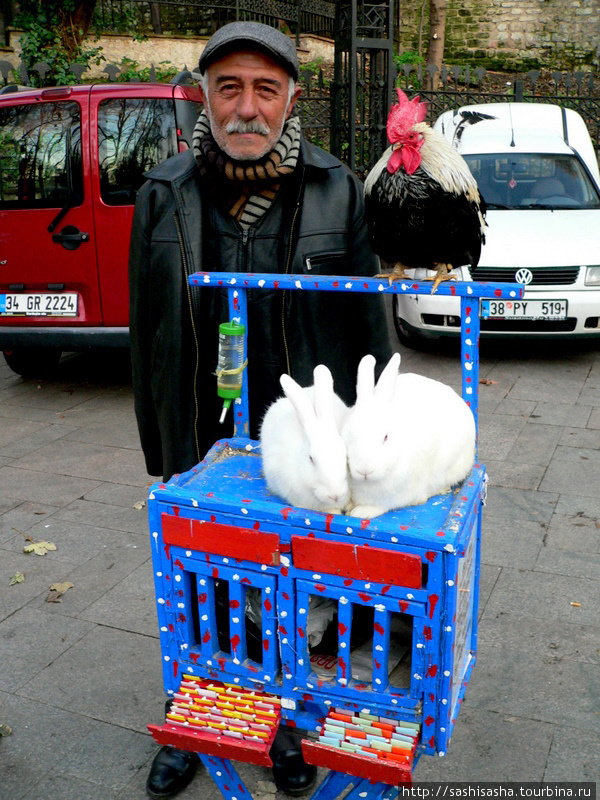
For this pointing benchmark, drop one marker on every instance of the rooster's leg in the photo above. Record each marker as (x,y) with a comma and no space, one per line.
(442,274)
(397,273)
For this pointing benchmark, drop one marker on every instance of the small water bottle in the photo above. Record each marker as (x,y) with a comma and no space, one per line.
(230,364)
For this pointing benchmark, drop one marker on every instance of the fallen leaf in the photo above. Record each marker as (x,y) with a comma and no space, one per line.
(18,577)
(5,730)
(39,548)
(139,505)
(57,590)
(488,382)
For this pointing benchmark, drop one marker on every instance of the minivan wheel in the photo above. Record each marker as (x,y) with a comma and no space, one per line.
(32,362)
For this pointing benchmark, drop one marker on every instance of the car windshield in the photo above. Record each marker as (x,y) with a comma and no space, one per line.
(533,180)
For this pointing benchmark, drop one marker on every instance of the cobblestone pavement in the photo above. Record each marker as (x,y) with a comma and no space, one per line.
(81,678)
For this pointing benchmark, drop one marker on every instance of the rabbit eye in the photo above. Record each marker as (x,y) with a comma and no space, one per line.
(385,438)
(312,461)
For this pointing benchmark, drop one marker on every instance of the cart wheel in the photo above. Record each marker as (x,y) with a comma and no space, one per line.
(32,362)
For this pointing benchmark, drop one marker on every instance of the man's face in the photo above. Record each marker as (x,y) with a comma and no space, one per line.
(247,103)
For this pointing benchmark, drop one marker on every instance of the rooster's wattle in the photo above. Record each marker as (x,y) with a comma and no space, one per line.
(423,207)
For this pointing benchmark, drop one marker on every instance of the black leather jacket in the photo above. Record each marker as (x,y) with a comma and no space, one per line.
(315,226)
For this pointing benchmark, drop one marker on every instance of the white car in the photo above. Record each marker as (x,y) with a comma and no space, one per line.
(538,173)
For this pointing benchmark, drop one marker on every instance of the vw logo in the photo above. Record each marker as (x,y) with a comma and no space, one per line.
(524,276)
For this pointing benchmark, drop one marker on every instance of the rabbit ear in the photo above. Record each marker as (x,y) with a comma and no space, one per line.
(299,399)
(365,379)
(323,392)
(387,380)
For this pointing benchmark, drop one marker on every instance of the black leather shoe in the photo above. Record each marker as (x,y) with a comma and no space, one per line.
(291,773)
(171,771)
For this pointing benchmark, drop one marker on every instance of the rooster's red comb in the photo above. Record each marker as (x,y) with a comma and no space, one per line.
(404,115)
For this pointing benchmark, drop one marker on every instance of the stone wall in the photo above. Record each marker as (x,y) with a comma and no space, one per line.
(180,51)
(510,34)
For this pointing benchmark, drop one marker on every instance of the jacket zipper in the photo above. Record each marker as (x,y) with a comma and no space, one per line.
(283,293)
(184,262)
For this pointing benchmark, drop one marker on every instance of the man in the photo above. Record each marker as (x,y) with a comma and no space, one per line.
(252,195)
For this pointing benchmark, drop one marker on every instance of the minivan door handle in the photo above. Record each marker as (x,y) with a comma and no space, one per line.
(70,237)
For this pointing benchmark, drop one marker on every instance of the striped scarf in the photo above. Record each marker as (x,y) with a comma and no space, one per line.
(249,187)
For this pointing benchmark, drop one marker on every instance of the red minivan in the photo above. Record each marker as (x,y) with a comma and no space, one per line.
(71,161)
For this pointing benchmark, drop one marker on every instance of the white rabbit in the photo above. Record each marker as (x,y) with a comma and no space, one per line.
(408,438)
(304,455)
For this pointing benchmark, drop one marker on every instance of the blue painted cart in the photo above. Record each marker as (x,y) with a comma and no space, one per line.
(411,573)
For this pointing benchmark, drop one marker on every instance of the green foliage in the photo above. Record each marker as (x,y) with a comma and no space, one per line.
(130,71)
(47,38)
(408,57)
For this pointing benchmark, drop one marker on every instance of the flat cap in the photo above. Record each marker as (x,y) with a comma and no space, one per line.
(235,35)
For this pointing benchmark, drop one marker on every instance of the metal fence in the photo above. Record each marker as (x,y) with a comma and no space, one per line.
(197,18)
(456,86)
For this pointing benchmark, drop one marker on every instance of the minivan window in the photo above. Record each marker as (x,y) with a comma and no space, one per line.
(40,155)
(134,135)
(533,180)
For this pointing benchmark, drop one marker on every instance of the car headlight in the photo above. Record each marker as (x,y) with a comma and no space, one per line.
(592,276)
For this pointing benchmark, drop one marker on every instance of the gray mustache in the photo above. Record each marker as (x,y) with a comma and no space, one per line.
(253,126)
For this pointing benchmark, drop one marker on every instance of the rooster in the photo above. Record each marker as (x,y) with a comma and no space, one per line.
(422,204)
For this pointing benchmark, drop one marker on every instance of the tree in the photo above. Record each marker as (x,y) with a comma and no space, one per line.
(437,33)
(54,32)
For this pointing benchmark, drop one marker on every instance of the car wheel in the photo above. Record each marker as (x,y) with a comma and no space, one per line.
(406,336)
(32,362)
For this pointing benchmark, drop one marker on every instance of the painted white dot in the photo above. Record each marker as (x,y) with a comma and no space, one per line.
(394,539)
(444,702)
(164,629)
(233,281)
(184,646)
(159,574)
(446,673)
(283,614)
(343,600)
(380,288)
(377,680)
(420,644)
(261,283)
(317,577)
(267,633)
(160,601)
(327,702)
(235,620)
(342,681)
(263,567)
(206,279)
(441,754)
(226,561)
(151,496)
(394,701)
(209,662)
(450,583)
(194,503)
(236,680)
(298,284)
(362,794)
(443,730)
(236,577)
(177,578)
(301,662)
(267,590)
(180,605)
(307,521)
(167,658)
(285,561)
(467,320)
(236,661)
(469,390)
(343,644)
(347,286)
(284,641)
(244,510)
(367,585)
(349,530)
(468,366)
(469,342)
(380,607)
(410,596)
(202,582)
(219,773)
(417,677)
(204,617)
(248,447)
(448,628)
(449,548)
(288,677)
(379,648)
(302,611)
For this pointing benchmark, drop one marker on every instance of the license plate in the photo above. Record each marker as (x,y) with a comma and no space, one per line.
(524,309)
(52,304)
